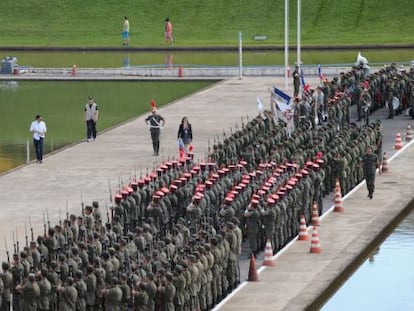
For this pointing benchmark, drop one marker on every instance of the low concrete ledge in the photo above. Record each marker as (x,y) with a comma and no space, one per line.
(303,281)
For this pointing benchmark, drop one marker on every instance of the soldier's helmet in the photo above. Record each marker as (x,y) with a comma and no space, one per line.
(5,265)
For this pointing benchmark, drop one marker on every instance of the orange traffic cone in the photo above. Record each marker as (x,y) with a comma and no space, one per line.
(408,136)
(268,255)
(338,202)
(315,215)
(338,186)
(253,277)
(74,70)
(315,244)
(303,232)
(398,142)
(180,71)
(384,168)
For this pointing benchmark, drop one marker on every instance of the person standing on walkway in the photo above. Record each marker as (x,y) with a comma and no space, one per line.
(168,32)
(155,123)
(38,129)
(369,163)
(125,32)
(185,133)
(91,113)
(296,82)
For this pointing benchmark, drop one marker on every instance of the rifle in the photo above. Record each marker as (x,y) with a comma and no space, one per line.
(82,205)
(60,217)
(31,228)
(25,234)
(14,243)
(7,250)
(67,211)
(107,212)
(110,192)
(17,242)
(44,224)
(47,219)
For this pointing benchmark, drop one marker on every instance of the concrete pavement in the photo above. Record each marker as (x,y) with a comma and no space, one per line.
(84,169)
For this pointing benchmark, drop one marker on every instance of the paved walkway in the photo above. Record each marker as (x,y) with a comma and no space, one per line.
(300,277)
(85,168)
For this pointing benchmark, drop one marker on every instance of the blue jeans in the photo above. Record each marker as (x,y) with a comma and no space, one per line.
(38,145)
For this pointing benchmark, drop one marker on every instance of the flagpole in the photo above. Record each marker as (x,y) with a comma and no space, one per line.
(299,62)
(286,44)
(240,56)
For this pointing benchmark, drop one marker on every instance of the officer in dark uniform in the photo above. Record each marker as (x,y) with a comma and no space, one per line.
(369,164)
(155,123)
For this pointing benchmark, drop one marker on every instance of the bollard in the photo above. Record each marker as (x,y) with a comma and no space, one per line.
(27,151)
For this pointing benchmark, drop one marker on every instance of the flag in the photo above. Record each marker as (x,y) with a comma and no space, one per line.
(259,104)
(279,102)
(302,77)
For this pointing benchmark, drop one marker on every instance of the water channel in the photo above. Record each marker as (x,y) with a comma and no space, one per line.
(260,58)
(385,281)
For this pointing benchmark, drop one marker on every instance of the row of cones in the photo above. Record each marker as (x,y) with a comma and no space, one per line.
(268,260)
(315,247)
(303,231)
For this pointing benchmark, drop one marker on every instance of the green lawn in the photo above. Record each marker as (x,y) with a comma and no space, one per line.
(62,103)
(202,22)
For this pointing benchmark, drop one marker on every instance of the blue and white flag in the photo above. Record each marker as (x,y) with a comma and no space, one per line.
(279,102)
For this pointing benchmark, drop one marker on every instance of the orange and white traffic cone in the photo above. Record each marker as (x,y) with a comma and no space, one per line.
(398,142)
(338,202)
(384,168)
(180,71)
(408,136)
(303,231)
(74,70)
(316,221)
(268,255)
(315,243)
(253,276)
(338,186)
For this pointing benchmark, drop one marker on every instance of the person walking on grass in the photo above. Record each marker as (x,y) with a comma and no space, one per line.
(125,32)
(168,32)
(91,114)
(38,129)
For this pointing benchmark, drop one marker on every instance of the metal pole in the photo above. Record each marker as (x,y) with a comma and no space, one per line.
(27,151)
(240,56)
(286,43)
(299,62)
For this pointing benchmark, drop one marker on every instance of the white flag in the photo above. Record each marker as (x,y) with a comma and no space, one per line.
(259,104)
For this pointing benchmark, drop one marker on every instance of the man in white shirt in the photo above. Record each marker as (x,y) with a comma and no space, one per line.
(38,129)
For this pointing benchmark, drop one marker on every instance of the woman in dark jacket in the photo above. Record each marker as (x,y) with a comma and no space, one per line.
(185,133)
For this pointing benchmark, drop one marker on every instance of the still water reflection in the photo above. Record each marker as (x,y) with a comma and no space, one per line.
(173,58)
(386,280)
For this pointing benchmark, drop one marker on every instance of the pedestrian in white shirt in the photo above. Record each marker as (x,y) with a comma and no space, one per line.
(38,129)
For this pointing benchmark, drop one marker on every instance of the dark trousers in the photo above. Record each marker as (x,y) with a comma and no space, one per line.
(370,180)
(38,145)
(155,137)
(90,129)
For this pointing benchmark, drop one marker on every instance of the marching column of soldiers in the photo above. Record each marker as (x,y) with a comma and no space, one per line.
(172,240)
